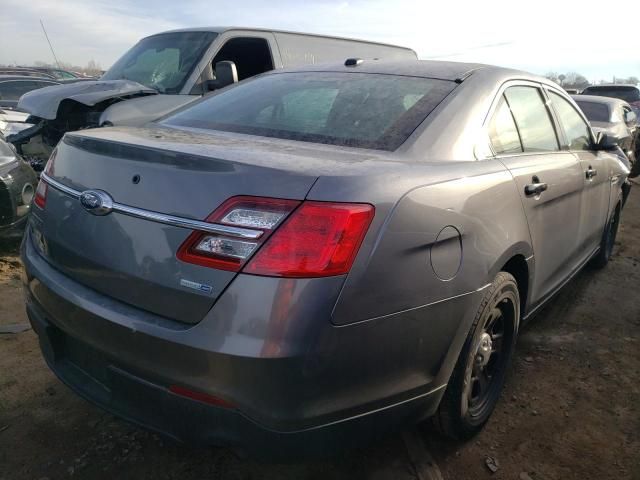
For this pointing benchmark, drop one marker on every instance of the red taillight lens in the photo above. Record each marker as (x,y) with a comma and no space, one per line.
(40,198)
(319,239)
(230,253)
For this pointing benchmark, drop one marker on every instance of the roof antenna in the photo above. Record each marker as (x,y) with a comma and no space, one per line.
(49,42)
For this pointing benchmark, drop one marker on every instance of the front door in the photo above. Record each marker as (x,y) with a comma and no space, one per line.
(596,179)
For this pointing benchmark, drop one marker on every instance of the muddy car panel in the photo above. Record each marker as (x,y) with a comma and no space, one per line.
(301,361)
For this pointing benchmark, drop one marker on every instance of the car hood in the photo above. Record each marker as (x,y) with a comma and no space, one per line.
(44,102)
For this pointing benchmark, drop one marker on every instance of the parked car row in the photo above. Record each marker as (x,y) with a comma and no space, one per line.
(314,255)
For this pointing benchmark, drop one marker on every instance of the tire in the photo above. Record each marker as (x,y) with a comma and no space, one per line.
(476,383)
(608,241)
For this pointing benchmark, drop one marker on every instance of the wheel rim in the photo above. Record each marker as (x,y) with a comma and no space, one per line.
(489,357)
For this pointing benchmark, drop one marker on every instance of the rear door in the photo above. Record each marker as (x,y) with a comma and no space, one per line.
(577,138)
(549,181)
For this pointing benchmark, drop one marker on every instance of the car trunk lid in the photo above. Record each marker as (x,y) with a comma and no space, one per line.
(134,259)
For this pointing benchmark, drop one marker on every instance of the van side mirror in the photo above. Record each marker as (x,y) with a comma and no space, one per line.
(226,74)
(630,118)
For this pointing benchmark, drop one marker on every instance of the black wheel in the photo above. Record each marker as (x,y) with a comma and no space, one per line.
(478,377)
(608,241)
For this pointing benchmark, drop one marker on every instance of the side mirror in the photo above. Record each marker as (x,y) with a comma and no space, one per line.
(630,118)
(226,74)
(605,141)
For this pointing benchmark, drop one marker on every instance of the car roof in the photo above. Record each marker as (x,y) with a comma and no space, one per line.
(438,69)
(611,85)
(598,99)
(4,78)
(223,29)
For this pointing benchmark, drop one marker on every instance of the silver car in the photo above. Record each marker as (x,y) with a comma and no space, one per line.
(612,117)
(312,257)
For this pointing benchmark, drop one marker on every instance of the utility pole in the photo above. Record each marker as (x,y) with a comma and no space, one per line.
(50,46)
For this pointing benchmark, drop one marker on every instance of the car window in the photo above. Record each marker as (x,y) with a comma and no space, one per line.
(576,130)
(595,112)
(351,109)
(627,93)
(14,90)
(64,75)
(503,133)
(532,119)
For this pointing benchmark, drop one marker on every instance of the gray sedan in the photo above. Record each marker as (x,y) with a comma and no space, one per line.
(311,257)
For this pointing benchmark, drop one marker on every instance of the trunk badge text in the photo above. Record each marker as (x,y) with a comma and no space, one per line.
(96,202)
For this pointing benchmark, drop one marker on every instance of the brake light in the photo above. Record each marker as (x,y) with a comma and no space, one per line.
(40,198)
(227,252)
(319,239)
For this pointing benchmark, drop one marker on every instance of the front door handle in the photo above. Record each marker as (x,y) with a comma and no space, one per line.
(590,173)
(535,188)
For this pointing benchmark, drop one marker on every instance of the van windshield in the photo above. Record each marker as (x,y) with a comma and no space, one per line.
(163,62)
(351,109)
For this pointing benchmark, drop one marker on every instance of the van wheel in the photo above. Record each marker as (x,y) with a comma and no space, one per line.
(478,377)
(608,241)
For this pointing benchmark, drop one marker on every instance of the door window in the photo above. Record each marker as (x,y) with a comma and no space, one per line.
(251,56)
(575,128)
(532,119)
(503,133)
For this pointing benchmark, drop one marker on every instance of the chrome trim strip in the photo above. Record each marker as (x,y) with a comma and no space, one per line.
(163,218)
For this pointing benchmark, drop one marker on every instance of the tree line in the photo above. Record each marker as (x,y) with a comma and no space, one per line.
(578,81)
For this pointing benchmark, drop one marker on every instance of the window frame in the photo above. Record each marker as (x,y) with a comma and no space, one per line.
(486,151)
(565,141)
(194,83)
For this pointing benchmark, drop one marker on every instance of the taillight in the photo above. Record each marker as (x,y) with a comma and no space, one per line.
(40,198)
(319,239)
(316,239)
(228,252)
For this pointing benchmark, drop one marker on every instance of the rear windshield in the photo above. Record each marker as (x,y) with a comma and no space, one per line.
(595,112)
(163,62)
(628,94)
(351,109)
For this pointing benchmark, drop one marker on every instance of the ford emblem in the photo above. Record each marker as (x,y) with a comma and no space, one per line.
(96,202)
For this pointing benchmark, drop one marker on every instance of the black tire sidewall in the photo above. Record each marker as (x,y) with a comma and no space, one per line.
(455,421)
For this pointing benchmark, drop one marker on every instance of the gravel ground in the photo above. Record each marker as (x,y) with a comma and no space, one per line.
(569,410)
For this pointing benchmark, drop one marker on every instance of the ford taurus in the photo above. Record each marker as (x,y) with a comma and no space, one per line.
(314,256)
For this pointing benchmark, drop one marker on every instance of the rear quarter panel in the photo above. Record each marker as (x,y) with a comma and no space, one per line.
(440,231)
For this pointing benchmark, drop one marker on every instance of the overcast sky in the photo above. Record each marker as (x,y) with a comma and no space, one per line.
(542,36)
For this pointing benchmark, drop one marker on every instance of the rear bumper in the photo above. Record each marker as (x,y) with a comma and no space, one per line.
(300,384)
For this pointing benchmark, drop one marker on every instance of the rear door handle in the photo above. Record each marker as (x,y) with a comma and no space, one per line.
(535,188)
(590,173)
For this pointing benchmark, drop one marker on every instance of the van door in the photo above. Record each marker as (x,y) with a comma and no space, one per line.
(596,185)
(252,52)
(549,181)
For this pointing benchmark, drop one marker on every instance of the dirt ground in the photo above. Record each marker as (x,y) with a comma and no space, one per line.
(570,408)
